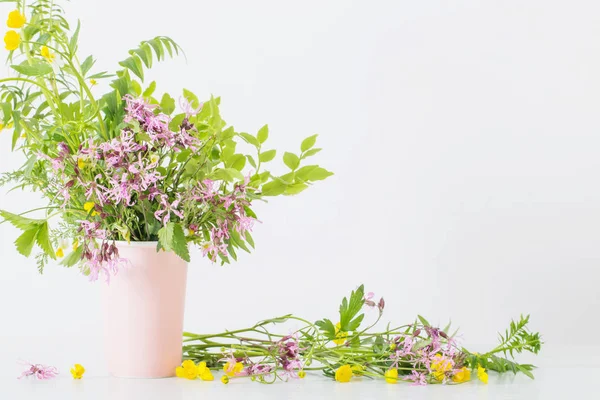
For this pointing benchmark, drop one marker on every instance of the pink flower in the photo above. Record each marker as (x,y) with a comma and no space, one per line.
(39,371)
(164,214)
(186,107)
(418,378)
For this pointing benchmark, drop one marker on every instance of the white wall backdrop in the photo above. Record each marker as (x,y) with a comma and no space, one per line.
(464,136)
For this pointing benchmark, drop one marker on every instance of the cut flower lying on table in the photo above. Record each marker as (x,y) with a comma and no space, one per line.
(417,353)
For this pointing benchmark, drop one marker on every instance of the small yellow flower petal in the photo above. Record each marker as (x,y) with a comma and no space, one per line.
(93,82)
(89,206)
(60,253)
(462,375)
(482,375)
(12,40)
(45,52)
(77,371)
(391,375)
(15,19)
(179,372)
(206,375)
(225,379)
(302,374)
(340,336)
(343,374)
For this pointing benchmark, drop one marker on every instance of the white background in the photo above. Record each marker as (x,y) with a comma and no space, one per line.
(463,135)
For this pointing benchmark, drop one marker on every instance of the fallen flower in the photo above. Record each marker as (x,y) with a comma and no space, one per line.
(39,371)
(77,371)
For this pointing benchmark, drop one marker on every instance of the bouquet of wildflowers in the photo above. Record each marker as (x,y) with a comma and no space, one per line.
(418,352)
(126,165)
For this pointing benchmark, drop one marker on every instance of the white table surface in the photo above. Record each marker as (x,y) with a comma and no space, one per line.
(550,383)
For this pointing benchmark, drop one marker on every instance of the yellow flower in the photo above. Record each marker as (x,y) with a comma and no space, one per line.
(187,370)
(462,375)
(301,374)
(93,82)
(225,379)
(45,52)
(204,372)
(391,375)
(16,19)
(77,371)
(481,374)
(75,244)
(12,40)
(343,373)
(440,366)
(340,336)
(233,371)
(357,369)
(393,346)
(89,206)
(60,253)
(80,163)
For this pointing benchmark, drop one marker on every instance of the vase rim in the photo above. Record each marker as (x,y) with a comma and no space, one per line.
(136,244)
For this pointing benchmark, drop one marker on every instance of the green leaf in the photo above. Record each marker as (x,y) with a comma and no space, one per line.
(26,241)
(267,156)
(423,321)
(251,161)
(263,134)
(295,188)
(273,188)
(180,246)
(6,112)
(228,174)
(43,240)
(238,161)
(250,139)
(313,173)
(37,69)
(184,155)
(291,160)
(150,89)
(87,64)
(167,104)
(74,39)
(192,98)
(165,236)
(308,143)
(310,153)
(349,310)
(73,257)
(20,222)
(134,64)
(327,327)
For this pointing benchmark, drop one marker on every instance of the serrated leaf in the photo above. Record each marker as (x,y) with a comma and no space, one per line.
(20,222)
(167,104)
(43,240)
(263,134)
(26,241)
(327,327)
(349,309)
(165,236)
(291,160)
(150,89)
(308,143)
(179,245)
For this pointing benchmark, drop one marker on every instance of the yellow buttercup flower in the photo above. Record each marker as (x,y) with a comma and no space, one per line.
(481,374)
(204,372)
(440,366)
(60,253)
(45,52)
(340,336)
(77,371)
(89,206)
(187,370)
(301,374)
(16,19)
(391,375)
(80,163)
(225,379)
(12,40)
(462,375)
(93,82)
(233,371)
(343,374)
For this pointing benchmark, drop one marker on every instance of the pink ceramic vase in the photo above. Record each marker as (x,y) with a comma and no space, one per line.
(143,308)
